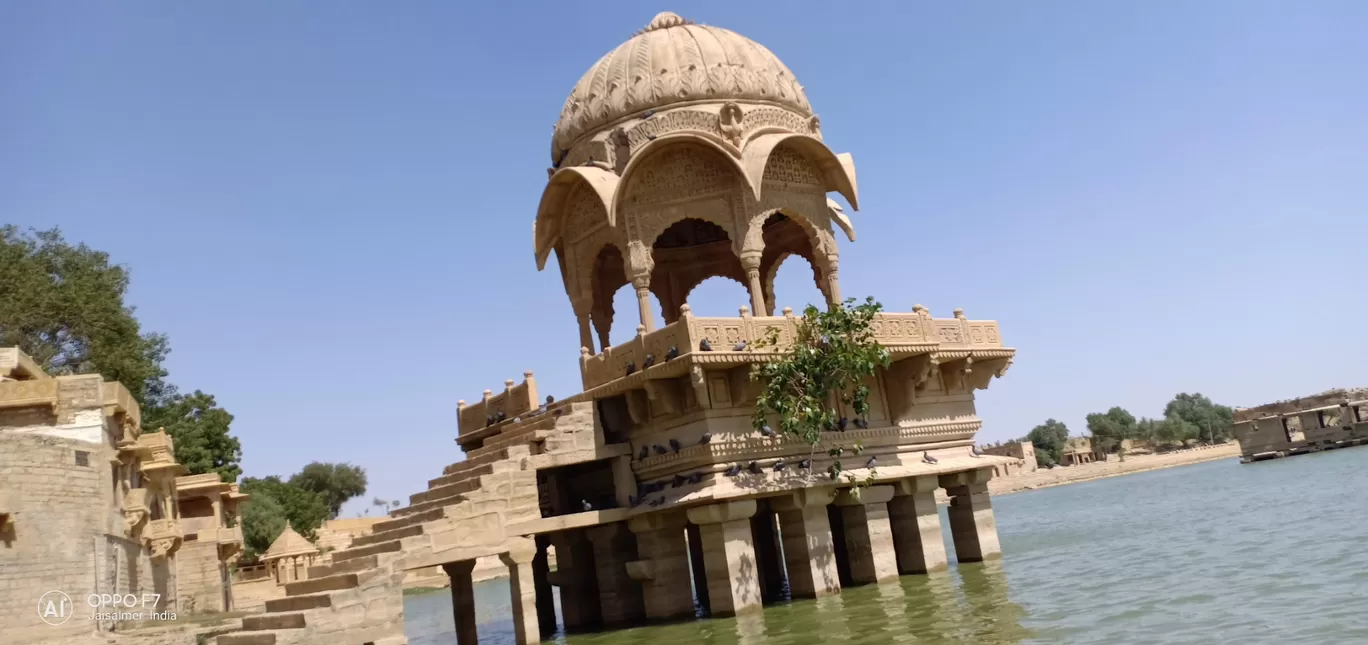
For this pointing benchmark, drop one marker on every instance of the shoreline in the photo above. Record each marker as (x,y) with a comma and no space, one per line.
(1065,475)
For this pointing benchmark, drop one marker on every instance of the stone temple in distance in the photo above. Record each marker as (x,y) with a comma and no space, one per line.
(685,153)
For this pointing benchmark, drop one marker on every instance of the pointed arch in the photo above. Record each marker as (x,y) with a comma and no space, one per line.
(654,147)
(547,230)
(838,171)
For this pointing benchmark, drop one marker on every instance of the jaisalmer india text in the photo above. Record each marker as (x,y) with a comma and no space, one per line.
(280,365)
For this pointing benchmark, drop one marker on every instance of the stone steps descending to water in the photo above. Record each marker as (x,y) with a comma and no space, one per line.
(318,585)
(270,622)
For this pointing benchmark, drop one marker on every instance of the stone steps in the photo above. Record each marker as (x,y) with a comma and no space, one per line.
(248,638)
(428,506)
(318,585)
(445,492)
(386,536)
(458,477)
(393,546)
(409,520)
(519,437)
(298,603)
(274,622)
(470,462)
(355,565)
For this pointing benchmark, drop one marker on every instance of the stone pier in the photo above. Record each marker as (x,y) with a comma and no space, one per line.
(809,553)
(916,525)
(541,581)
(728,556)
(662,567)
(463,601)
(578,580)
(972,526)
(868,536)
(523,591)
(620,599)
(765,536)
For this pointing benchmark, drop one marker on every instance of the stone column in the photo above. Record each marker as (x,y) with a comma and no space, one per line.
(765,536)
(696,568)
(541,581)
(869,538)
(728,556)
(643,291)
(624,481)
(809,554)
(463,601)
(750,261)
(522,589)
(662,567)
(917,526)
(619,595)
(972,526)
(833,282)
(578,582)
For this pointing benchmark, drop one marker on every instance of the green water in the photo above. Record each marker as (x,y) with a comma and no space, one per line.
(1273,552)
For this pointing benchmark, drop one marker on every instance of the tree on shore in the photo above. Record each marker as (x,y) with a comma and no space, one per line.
(273,503)
(1198,418)
(1109,429)
(63,305)
(820,382)
(333,483)
(1049,439)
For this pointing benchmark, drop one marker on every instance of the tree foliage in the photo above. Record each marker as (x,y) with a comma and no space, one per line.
(199,429)
(1111,428)
(822,378)
(273,503)
(333,483)
(1198,417)
(1049,439)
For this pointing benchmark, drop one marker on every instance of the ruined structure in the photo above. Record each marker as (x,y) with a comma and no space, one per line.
(687,152)
(87,502)
(211,542)
(1325,421)
(1021,454)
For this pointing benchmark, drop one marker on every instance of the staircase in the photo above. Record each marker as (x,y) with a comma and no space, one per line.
(357,599)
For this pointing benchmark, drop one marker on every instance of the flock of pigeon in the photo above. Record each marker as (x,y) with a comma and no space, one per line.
(673,353)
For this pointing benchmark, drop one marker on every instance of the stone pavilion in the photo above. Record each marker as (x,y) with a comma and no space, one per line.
(687,152)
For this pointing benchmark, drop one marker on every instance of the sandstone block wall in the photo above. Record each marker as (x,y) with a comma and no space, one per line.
(199,577)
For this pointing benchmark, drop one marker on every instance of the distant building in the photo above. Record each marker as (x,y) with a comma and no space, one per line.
(212,541)
(1077,450)
(1022,451)
(1325,421)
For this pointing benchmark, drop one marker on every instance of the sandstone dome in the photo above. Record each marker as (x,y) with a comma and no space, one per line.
(673,61)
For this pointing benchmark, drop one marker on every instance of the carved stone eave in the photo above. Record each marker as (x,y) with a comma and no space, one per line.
(640,157)
(546,230)
(835,174)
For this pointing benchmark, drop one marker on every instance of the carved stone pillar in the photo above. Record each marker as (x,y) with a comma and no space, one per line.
(619,596)
(750,261)
(809,553)
(917,526)
(643,291)
(728,556)
(578,581)
(463,601)
(833,282)
(582,307)
(868,536)
(972,526)
(541,581)
(662,567)
(522,590)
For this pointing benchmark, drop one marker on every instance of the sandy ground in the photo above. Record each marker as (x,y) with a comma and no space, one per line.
(1097,470)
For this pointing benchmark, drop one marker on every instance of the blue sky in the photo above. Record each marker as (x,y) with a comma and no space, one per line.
(328,206)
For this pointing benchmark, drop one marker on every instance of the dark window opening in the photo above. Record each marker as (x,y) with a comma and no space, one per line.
(82,458)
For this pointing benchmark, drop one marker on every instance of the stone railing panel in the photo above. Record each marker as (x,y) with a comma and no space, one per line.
(515,400)
(17,394)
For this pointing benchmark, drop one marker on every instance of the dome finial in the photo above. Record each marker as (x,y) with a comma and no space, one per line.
(665,20)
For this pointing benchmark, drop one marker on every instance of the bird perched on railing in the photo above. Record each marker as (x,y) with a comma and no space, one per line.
(766,431)
(755,467)
(926,457)
(873,461)
(706,438)
(678,481)
(584,503)
(650,360)
(842,423)
(696,477)
(739,347)
(501,416)
(733,471)
(704,345)
(674,445)
(631,368)
(672,354)
(861,423)
(645,452)
(779,465)
(660,450)
(805,464)
(975,452)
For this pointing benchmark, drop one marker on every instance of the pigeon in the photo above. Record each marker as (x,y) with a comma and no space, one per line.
(739,347)
(706,438)
(650,137)
(805,464)
(678,481)
(660,450)
(489,421)
(650,360)
(673,353)
(733,471)
(501,416)
(647,114)
(517,419)
(657,502)
(631,368)
(645,452)
(550,399)
(766,430)
(779,465)
(755,467)
(587,506)
(926,457)
(674,445)
(704,345)
(842,423)
(873,461)
(696,477)
(861,423)
(975,452)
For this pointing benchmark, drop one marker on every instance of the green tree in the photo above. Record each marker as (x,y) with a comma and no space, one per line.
(1206,420)
(1109,429)
(199,429)
(1049,439)
(304,509)
(263,520)
(333,483)
(822,378)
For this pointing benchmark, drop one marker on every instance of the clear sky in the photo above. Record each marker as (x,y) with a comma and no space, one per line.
(329,206)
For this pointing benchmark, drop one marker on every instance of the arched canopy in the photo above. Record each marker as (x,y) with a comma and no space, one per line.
(643,157)
(547,230)
(838,172)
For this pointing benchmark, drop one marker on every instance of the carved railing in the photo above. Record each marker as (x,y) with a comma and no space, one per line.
(893,330)
(515,400)
(19,394)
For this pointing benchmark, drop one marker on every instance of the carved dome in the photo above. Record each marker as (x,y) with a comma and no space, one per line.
(674,61)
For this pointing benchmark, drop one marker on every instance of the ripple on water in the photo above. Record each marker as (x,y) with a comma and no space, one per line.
(1211,553)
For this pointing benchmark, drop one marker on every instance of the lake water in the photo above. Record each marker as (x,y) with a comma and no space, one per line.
(1272,552)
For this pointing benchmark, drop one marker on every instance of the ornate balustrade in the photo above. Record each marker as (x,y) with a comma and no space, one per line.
(901,333)
(515,400)
(19,394)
